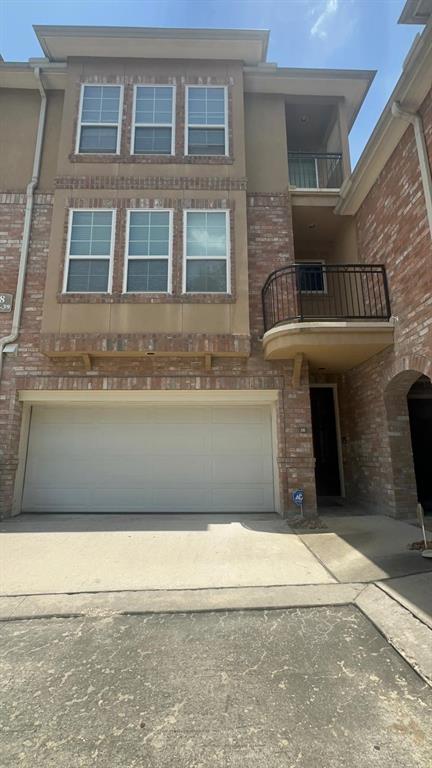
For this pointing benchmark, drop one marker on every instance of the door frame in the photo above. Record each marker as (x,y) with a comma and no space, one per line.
(334,388)
(31,398)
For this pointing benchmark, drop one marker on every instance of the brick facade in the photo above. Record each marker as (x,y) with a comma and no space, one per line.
(30,368)
(392,229)
(180,80)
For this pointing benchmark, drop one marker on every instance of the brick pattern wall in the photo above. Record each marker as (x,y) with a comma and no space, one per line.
(180,80)
(178,207)
(392,229)
(270,245)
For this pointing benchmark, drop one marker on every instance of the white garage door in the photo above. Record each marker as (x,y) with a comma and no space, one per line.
(149,458)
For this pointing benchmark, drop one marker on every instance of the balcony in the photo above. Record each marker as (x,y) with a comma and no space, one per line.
(337,316)
(315,171)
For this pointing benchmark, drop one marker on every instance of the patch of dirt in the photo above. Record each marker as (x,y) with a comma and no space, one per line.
(419,545)
(310,523)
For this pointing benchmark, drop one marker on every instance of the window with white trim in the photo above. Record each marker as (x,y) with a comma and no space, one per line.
(153,130)
(99,123)
(206,129)
(90,251)
(148,263)
(206,248)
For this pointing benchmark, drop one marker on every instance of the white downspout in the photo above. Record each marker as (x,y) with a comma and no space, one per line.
(16,319)
(425,171)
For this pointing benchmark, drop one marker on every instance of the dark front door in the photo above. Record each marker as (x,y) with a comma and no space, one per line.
(325,441)
(420,414)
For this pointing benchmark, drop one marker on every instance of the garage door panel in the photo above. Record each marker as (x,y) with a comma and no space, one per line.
(244,498)
(149,459)
(241,415)
(243,470)
(239,438)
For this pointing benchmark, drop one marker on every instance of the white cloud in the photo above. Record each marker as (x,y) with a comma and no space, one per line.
(319,28)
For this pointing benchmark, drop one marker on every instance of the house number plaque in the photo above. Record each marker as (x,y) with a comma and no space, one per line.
(6,302)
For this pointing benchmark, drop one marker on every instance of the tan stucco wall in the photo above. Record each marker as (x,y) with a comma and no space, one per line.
(345,249)
(139,317)
(334,139)
(19,115)
(174,72)
(266,143)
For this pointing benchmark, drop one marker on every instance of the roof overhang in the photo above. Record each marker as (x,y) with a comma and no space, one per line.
(21,75)
(416,12)
(410,91)
(300,84)
(62,42)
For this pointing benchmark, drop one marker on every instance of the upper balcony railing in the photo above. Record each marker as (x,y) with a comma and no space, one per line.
(315,170)
(319,292)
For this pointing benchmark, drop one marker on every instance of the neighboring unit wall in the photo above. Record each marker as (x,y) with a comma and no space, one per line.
(19,114)
(393,230)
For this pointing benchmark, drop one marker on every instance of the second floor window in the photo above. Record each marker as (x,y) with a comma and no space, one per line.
(99,129)
(153,131)
(90,252)
(148,252)
(206,129)
(206,252)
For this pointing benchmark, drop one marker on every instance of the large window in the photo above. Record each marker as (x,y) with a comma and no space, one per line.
(206,252)
(153,130)
(90,251)
(100,111)
(148,262)
(206,120)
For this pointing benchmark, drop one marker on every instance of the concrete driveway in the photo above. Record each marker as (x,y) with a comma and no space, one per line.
(54,554)
(99,553)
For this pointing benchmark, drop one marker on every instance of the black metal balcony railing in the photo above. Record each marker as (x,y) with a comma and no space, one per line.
(308,292)
(315,170)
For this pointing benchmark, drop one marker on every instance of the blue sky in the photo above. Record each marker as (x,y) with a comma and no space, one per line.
(349,34)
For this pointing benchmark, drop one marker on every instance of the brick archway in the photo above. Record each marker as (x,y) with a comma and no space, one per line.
(400,380)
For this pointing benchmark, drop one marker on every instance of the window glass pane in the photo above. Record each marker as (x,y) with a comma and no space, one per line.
(311,278)
(302,172)
(149,233)
(206,141)
(147,275)
(100,104)
(94,139)
(152,141)
(206,234)
(154,104)
(206,106)
(88,275)
(206,276)
(91,233)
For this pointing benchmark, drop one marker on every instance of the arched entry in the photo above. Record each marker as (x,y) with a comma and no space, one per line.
(403,422)
(420,417)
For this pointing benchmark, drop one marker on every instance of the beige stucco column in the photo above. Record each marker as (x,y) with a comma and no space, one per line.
(343,131)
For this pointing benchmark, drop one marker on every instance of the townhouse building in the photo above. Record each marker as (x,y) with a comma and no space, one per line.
(203,310)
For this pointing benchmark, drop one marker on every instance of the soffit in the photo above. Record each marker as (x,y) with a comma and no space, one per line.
(62,42)
(348,85)
(410,91)
(416,12)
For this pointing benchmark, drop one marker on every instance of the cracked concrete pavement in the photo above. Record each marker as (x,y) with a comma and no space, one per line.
(275,688)
(205,625)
